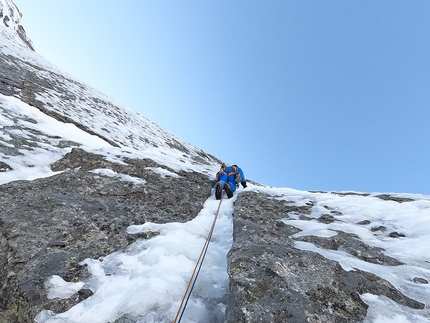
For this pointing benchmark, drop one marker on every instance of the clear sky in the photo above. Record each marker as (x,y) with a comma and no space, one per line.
(312,95)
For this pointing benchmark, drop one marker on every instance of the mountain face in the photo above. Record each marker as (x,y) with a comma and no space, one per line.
(9,26)
(77,170)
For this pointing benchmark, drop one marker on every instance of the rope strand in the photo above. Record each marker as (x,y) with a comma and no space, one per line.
(196,271)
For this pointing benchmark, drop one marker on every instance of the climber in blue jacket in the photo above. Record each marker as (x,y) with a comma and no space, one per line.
(228,178)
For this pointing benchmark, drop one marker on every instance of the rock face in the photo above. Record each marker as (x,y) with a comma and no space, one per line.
(49,225)
(10,18)
(28,77)
(272,281)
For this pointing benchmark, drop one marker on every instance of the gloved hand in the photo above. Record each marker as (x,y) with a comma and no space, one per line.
(243,184)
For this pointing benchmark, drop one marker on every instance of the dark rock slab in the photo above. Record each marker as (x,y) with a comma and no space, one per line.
(49,225)
(4,167)
(272,281)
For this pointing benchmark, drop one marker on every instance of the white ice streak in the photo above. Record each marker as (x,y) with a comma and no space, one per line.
(400,277)
(122,177)
(11,18)
(34,162)
(162,172)
(384,310)
(58,288)
(136,136)
(147,279)
(372,219)
(28,122)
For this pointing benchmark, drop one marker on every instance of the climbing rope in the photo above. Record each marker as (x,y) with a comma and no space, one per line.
(196,271)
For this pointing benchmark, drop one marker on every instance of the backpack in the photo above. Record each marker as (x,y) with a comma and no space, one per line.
(238,179)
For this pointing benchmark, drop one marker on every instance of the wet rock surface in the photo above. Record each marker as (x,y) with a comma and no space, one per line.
(49,225)
(272,281)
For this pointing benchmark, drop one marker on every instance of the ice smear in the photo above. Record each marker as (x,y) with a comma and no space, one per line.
(384,310)
(58,288)
(146,280)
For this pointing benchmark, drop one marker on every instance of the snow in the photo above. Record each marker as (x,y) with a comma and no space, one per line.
(58,288)
(147,279)
(134,133)
(122,177)
(9,25)
(162,172)
(30,120)
(384,310)
(35,162)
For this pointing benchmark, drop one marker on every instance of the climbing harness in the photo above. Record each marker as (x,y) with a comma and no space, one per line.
(196,271)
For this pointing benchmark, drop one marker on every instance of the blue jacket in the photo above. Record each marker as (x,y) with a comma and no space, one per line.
(230,175)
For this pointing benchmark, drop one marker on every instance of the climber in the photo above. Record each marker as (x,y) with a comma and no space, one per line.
(228,178)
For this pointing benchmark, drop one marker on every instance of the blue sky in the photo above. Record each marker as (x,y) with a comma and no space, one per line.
(312,95)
